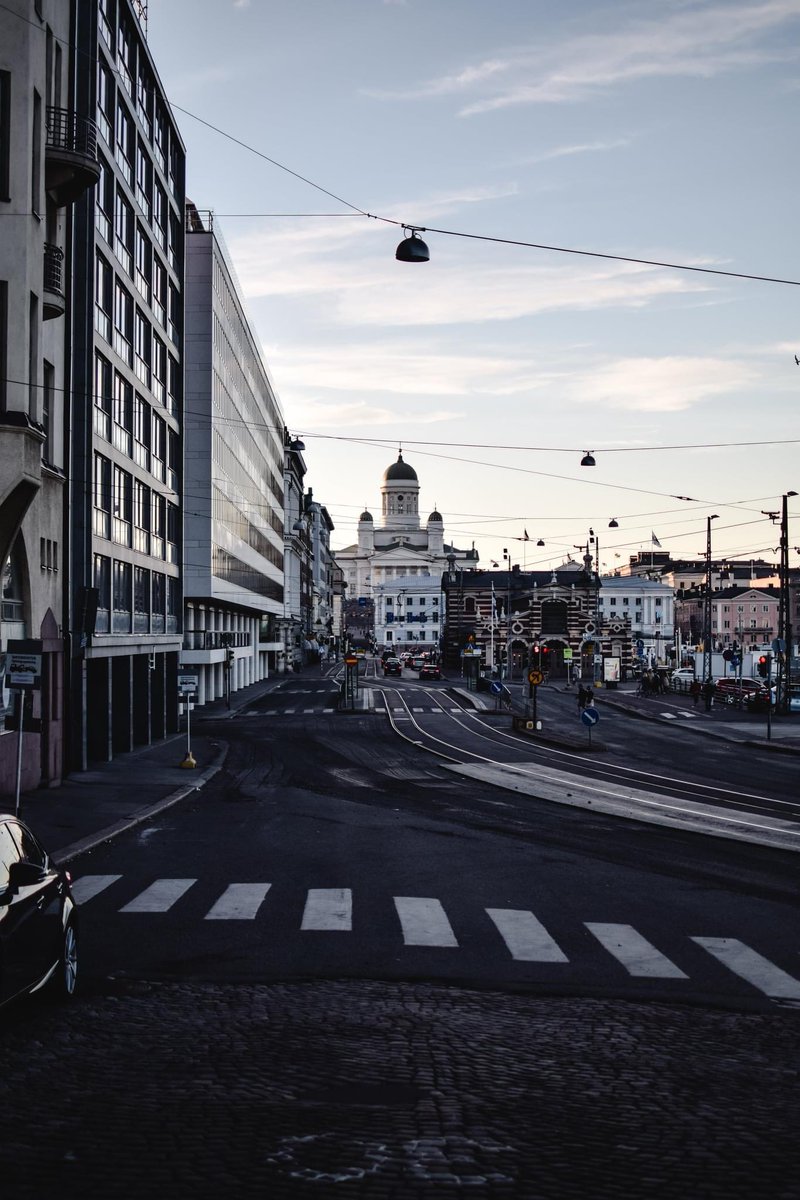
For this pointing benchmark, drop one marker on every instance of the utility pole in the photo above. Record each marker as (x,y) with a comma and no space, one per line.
(784,611)
(707,660)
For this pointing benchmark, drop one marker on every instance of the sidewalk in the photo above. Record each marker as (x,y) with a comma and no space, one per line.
(92,806)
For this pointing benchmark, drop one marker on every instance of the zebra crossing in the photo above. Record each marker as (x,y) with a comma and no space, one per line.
(423,922)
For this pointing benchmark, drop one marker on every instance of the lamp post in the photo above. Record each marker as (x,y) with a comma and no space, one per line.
(707,672)
(784,611)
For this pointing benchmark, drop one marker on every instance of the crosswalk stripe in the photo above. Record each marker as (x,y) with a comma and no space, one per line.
(328,710)
(160,896)
(752,967)
(636,954)
(88,886)
(525,936)
(328,908)
(424,922)
(239,902)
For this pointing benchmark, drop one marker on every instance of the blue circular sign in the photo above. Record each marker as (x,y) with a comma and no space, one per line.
(590,716)
(496,687)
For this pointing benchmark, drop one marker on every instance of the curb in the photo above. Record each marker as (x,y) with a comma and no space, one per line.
(144,814)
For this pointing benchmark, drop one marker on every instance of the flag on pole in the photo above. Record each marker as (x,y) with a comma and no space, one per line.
(655,540)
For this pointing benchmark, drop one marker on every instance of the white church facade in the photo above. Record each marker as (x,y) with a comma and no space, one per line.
(397,546)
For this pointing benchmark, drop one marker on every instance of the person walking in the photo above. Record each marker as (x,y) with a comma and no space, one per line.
(708,693)
(583,696)
(694,691)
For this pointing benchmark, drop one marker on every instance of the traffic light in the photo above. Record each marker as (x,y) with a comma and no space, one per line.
(763,665)
(229,656)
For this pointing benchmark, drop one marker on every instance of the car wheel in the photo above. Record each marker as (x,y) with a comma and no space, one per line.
(65,977)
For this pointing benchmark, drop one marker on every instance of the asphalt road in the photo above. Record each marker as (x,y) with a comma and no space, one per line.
(342,969)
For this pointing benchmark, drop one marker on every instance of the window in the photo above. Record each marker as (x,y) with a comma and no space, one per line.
(658,602)
(173,604)
(102,496)
(102,581)
(123,323)
(122,506)
(625,601)
(160,215)
(159,385)
(103,277)
(174,325)
(638,602)
(160,138)
(102,397)
(159,304)
(105,102)
(5,135)
(144,100)
(48,400)
(144,181)
(124,56)
(36,156)
(174,167)
(159,602)
(144,264)
(141,432)
(142,337)
(765,608)
(9,854)
(123,152)
(123,413)
(123,232)
(106,21)
(173,386)
(121,615)
(104,200)
(173,459)
(158,446)
(141,600)
(141,517)
(158,526)
(175,233)
(173,528)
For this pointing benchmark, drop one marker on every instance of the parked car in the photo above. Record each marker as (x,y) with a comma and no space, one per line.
(38,917)
(681,679)
(748,693)
(430,671)
(391,666)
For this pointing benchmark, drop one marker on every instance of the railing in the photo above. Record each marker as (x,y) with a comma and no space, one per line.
(66,130)
(53,269)
(214,639)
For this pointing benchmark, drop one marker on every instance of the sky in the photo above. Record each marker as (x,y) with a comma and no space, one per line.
(661,130)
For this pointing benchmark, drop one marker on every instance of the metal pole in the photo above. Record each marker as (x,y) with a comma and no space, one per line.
(188,724)
(707,664)
(21,695)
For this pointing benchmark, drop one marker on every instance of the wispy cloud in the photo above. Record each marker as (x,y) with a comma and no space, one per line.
(672,384)
(579,148)
(697,42)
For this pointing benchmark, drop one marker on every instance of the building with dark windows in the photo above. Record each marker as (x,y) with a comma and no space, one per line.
(125,604)
(234,480)
(47,163)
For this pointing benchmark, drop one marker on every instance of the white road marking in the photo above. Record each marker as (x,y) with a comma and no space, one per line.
(669,716)
(160,896)
(328,710)
(87,886)
(752,967)
(635,953)
(424,922)
(525,936)
(239,902)
(286,711)
(328,908)
(309,710)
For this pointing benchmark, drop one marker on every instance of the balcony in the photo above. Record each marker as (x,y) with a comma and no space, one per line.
(53,301)
(71,165)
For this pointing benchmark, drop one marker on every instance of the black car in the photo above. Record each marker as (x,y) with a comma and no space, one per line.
(38,917)
(391,666)
(430,671)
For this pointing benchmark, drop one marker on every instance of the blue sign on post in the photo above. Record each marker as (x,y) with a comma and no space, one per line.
(496,687)
(590,716)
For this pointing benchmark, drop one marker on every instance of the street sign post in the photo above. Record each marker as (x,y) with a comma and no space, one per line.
(187,688)
(23,675)
(589,717)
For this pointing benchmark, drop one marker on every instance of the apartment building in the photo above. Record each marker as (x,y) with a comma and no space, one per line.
(125,604)
(234,480)
(47,161)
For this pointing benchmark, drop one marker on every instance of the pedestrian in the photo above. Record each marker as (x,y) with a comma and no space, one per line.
(583,696)
(708,693)
(589,698)
(694,691)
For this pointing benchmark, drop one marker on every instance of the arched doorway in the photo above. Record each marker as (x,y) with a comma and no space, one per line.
(553,658)
(519,652)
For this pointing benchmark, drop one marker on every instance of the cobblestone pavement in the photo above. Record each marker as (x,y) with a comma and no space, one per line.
(395,1092)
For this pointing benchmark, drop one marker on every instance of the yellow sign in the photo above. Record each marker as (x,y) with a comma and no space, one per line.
(535,677)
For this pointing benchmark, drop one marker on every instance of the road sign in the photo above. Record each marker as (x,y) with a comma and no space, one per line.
(187,683)
(496,687)
(590,716)
(23,670)
(778,645)
(535,677)
(727,655)
(566,655)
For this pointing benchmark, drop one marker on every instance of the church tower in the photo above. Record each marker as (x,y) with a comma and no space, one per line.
(400,496)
